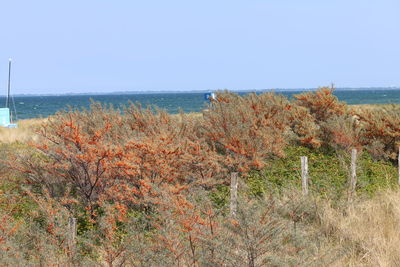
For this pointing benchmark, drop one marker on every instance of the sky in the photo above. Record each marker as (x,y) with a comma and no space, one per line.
(81,46)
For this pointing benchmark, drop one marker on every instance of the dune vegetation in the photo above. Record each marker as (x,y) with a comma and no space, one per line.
(25,133)
(141,187)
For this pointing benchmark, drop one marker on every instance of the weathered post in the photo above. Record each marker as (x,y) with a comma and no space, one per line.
(353,166)
(72,232)
(398,167)
(234,194)
(304,174)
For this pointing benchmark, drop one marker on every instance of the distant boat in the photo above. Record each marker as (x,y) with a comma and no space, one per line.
(6,116)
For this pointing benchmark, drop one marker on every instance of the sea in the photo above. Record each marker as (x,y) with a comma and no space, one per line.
(41,106)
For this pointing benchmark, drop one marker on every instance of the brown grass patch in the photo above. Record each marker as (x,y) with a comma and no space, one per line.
(367,232)
(24,133)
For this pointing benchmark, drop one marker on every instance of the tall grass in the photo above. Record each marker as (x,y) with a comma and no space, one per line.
(24,133)
(366,232)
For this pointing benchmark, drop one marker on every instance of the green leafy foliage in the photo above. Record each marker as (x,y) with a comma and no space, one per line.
(328,171)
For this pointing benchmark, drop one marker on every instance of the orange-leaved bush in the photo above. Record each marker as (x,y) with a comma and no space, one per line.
(322,104)
(321,119)
(76,153)
(380,132)
(102,155)
(247,130)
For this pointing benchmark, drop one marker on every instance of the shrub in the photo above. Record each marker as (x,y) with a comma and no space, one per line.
(100,155)
(380,132)
(342,132)
(247,130)
(329,172)
(322,104)
(326,121)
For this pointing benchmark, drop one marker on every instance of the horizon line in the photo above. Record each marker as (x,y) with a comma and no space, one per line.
(126,92)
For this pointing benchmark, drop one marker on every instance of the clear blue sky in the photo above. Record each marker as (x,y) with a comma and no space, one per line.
(128,45)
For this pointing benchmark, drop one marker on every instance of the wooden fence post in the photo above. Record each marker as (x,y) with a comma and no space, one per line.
(398,167)
(353,177)
(72,232)
(304,174)
(234,194)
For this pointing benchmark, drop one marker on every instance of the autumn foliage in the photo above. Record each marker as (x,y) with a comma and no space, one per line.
(247,129)
(381,132)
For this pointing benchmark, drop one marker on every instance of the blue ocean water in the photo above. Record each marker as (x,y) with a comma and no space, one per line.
(43,106)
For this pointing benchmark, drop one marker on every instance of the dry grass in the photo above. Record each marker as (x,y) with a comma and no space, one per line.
(366,233)
(361,107)
(190,116)
(24,133)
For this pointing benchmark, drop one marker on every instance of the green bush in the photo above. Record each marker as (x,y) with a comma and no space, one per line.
(328,171)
